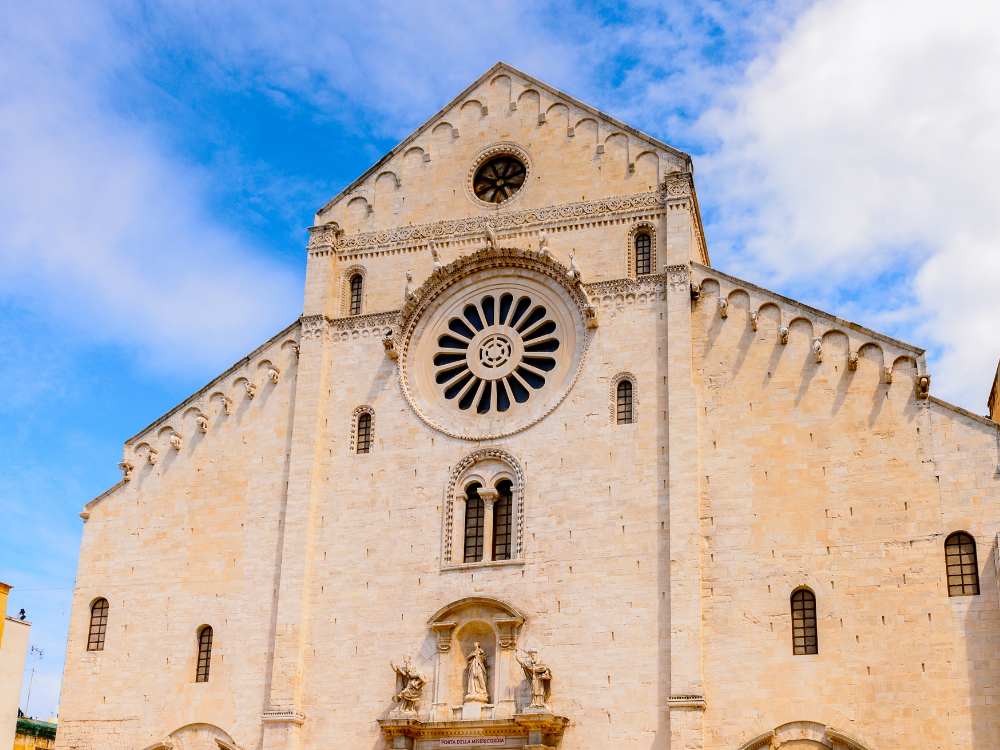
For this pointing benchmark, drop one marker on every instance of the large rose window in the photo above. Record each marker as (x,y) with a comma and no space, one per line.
(498,351)
(494,349)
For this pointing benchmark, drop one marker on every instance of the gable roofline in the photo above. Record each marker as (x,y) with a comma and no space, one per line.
(501,66)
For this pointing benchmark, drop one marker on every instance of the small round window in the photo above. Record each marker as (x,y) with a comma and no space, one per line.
(498,179)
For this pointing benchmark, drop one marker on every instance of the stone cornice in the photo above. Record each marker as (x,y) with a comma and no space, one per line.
(323,236)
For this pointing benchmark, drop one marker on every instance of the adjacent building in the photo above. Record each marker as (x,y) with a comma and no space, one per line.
(529,471)
(13,654)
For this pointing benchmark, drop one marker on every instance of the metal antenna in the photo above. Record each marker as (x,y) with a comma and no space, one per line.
(38,654)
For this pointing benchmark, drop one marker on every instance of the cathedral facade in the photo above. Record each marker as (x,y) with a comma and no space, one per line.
(529,472)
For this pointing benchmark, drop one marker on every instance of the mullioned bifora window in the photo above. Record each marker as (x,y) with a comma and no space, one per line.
(962,564)
(204,653)
(804,638)
(643,254)
(98,625)
(503,521)
(356,287)
(475,517)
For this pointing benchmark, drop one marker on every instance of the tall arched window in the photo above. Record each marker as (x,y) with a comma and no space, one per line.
(625,402)
(804,640)
(204,653)
(963,567)
(643,254)
(364,432)
(503,520)
(356,284)
(98,625)
(475,517)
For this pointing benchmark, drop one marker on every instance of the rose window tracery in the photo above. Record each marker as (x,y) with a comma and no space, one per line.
(497,351)
(499,178)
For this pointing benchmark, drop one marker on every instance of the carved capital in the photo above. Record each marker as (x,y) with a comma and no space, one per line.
(676,185)
(443,631)
(324,235)
(508,628)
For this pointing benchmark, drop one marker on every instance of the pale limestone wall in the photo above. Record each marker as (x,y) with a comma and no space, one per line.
(592,581)
(189,541)
(815,475)
(13,654)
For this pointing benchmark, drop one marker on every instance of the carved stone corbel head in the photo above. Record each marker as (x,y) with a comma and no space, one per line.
(202,422)
(151,455)
(126,470)
(176,441)
(723,307)
(273,373)
(227,404)
(753,320)
(817,349)
(783,334)
(923,386)
(887,372)
(251,390)
(695,290)
(389,344)
(590,315)
(852,361)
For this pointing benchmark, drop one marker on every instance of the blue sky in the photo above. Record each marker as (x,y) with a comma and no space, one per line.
(159,163)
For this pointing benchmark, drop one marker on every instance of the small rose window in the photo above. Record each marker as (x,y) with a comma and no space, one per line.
(499,350)
(498,179)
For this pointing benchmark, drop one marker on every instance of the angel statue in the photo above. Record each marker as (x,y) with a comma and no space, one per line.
(491,238)
(408,289)
(410,682)
(539,674)
(477,677)
(434,256)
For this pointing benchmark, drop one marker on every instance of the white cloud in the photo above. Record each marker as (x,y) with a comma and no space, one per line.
(862,150)
(103,229)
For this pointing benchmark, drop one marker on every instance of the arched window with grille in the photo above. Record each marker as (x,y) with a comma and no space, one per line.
(98,625)
(643,254)
(357,287)
(962,564)
(364,441)
(204,653)
(475,521)
(625,402)
(503,520)
(804,637)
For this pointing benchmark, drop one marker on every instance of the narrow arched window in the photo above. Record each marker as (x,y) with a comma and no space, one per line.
(356,283)
(625,402)
(98,625)
(503,520)
(963,567)
(204,653)
(364,432)
(475,518)
(804,640)
(643,254)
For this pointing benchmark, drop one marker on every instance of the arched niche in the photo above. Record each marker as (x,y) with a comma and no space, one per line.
(458,626)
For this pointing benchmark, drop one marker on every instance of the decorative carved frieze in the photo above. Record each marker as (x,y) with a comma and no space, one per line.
(325,235)
(626,291)
(678,277)
(677,184)
(584,210)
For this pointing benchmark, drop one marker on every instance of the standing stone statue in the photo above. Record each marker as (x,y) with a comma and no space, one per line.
(435,257)
(491,238)
(412,681)
(539,674)
(408,293)
(543,244)
(477,677)
(574,269)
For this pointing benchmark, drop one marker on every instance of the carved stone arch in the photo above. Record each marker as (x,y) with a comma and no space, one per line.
(613,397)
(201,728)
(641,227)
(817,723)
(355,415)
(345,293)
(490,466)
(457,627)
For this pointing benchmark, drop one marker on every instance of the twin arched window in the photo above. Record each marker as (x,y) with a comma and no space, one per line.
(643,254)
(204,653)
(357,284)
(489,521)
(98,625)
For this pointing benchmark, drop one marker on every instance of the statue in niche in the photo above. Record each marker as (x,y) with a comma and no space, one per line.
(410,682)
(539,675)
(477,692)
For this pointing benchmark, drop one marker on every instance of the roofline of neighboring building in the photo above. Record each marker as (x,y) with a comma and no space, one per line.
(815,311)
(993,403)
(964,412)
(475,84)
